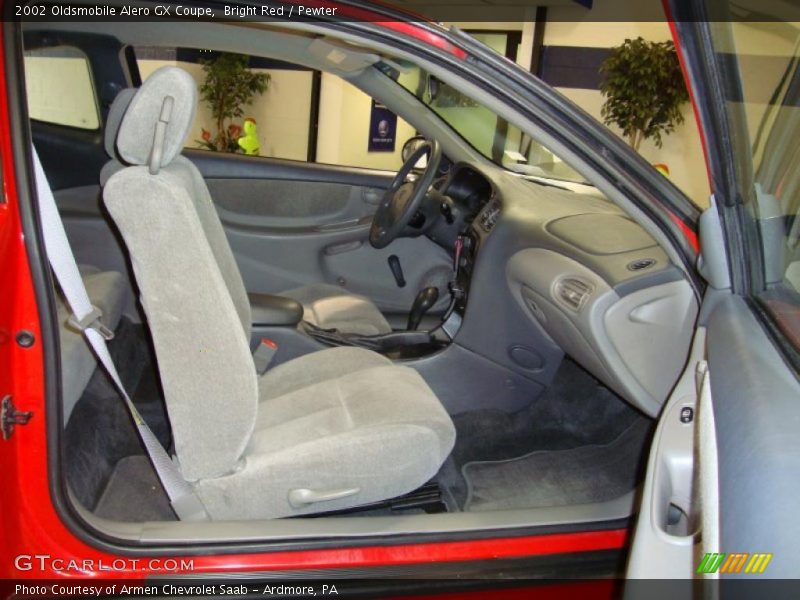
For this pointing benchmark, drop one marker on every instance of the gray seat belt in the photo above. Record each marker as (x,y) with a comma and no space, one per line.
(86,317)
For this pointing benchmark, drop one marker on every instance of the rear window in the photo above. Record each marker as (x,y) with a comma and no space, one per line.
(60,89)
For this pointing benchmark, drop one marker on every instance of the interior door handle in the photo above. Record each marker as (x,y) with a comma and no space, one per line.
(344,247)
(356,223)
(672,509)
(372,195)
(339,225)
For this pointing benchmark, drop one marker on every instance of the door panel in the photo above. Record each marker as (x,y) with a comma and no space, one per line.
(756,410)
(220,165)
(667,514)
(740,497)
(284,232)
(272,262)
(276,204)
(293,224)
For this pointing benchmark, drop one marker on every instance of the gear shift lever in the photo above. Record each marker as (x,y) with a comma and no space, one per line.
(426,298)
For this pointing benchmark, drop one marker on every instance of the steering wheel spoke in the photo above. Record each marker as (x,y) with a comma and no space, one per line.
(404,197)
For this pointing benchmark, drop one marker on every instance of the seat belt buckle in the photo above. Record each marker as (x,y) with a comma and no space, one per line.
(91,321)
(264,355)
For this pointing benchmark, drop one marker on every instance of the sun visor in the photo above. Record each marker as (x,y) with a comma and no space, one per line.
(342,57)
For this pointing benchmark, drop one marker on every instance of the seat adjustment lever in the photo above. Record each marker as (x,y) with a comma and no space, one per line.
(302,497)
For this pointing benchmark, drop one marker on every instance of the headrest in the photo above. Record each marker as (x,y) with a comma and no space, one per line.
(114,119)
(158,119)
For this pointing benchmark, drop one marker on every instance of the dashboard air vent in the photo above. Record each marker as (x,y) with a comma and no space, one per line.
(573,292)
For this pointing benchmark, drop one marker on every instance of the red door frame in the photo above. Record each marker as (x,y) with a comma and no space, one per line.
(33,527)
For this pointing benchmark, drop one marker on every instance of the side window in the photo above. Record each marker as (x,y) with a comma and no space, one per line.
(301,115)
(60,89)
(357,131)
(768,109)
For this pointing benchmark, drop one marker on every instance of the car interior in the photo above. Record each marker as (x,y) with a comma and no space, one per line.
(334,351)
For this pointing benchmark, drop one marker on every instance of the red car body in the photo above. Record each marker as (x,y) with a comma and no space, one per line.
(33,528)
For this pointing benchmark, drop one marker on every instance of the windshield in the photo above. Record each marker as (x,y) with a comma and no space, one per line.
(491,135)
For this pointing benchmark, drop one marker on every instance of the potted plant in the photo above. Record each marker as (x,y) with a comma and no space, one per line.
(229,86)
(644,90)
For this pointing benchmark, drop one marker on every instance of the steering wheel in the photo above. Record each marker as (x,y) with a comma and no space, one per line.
(403,198)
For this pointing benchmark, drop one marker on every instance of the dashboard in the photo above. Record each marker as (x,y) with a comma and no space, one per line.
(551,271)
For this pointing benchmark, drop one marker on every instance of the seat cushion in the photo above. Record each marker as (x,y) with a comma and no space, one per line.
(338,419)
(331,307)
(316,367)
(106,291)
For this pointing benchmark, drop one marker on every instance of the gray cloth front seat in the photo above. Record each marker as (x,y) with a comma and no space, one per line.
(324,305)
(330,430)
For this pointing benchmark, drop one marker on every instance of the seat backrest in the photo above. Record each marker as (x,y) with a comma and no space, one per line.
(209,217)
(190,287)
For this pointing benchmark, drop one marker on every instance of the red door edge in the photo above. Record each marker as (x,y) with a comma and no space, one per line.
(92,563)
(688,232)
(468,550)
(33,528)
(407,24)
(685,70)
(23,460)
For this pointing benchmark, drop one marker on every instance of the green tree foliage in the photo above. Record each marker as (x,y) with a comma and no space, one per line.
(229,86)
(644,90)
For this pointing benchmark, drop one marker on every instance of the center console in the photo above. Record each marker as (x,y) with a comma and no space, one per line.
(396,345)
(413,343)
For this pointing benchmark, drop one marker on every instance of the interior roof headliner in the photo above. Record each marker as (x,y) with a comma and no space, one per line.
(282,42)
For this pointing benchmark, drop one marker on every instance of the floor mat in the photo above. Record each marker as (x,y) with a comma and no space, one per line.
(586,474)
(134,494)
(100,431)
(576,410)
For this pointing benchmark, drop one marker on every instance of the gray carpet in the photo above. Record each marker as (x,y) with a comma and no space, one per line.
(582,475)
(100,432)
(576,410)
(134,494)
